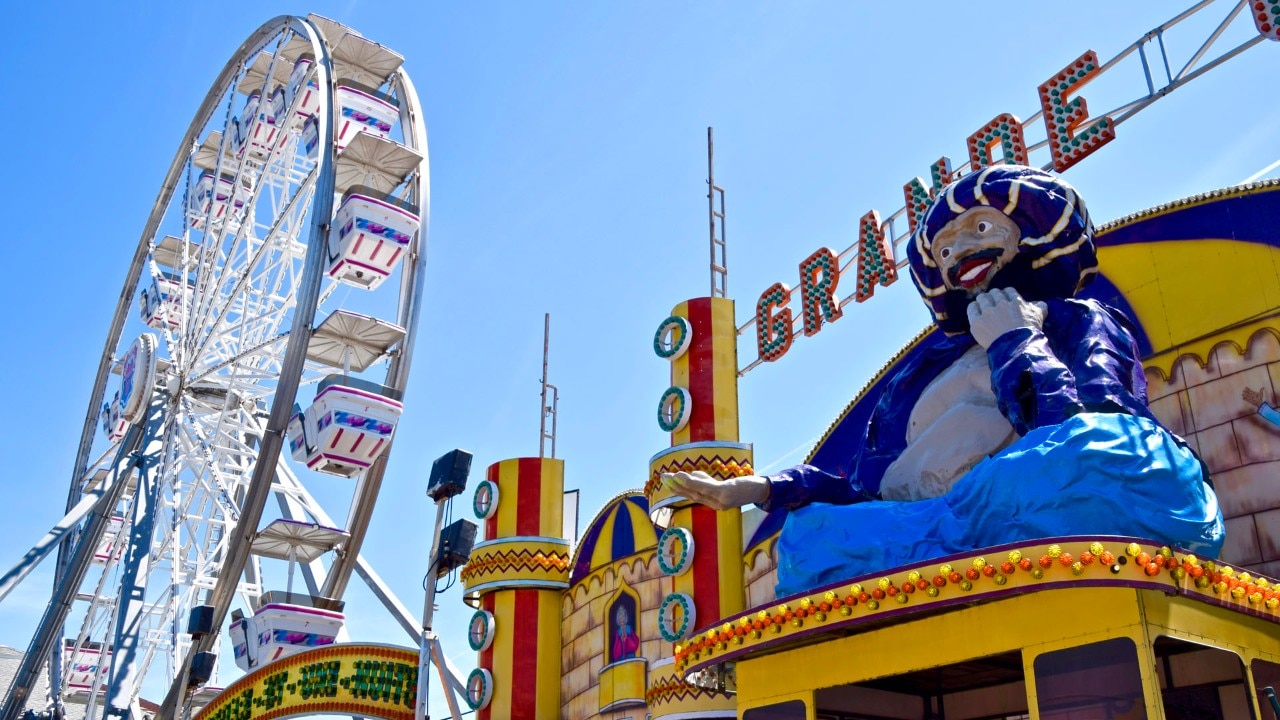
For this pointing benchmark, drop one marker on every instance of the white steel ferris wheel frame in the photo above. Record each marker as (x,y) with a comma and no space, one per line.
(208,456)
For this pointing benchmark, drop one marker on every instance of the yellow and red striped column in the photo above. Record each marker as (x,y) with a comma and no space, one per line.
(518,573)
(700,410)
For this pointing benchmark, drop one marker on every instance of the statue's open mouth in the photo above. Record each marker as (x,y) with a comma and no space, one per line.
(974,268)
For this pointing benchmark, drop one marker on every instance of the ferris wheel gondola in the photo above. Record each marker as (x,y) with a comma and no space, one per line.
(303,170)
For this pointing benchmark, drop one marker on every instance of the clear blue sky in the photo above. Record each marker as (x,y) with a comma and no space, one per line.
(568,163)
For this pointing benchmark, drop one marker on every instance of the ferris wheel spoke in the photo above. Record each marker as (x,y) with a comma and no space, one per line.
(247,297)
(169,544)
(275,174)
(257,80)
(211,295)
(253,351)
(226,472)
(209,475)
(205,222)
(254,344)
(214,302)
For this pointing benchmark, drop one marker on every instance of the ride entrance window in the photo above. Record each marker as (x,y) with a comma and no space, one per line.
(789,710)
(1201,683)
(1266,675)
(988,688)
(1100,680)
(624,640)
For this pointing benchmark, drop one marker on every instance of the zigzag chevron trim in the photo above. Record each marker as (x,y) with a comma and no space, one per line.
(506,561)
(716,466)
(674,690)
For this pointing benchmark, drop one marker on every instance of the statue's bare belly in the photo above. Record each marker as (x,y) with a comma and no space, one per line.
(953,426)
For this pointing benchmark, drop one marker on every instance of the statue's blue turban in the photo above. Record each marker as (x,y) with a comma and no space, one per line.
(1056,256)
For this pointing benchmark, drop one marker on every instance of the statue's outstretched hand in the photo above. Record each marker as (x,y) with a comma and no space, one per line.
(718,494)
(996,312)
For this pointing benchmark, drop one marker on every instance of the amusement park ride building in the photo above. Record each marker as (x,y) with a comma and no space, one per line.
(1201,278)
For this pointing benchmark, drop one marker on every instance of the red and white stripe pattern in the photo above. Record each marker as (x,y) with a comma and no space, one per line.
(210,201)
(370,238)
(353,428)
(309,104)
(359,112)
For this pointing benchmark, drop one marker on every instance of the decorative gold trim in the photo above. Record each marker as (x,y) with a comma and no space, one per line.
(983,575)
(1189,201)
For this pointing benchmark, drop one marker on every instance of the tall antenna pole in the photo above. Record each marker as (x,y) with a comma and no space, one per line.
(548,411)
(719,256)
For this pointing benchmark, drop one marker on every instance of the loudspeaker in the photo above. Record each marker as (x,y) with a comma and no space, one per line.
(456,542)
(201,620)
(449,475)
(202,668)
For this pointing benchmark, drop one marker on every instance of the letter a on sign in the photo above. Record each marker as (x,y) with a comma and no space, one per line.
(875,257)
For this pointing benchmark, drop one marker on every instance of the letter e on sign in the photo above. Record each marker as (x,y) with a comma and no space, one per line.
(1063,118)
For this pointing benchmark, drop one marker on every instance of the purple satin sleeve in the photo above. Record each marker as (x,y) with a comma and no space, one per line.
(804,484)
(1084,359)
(1033,387)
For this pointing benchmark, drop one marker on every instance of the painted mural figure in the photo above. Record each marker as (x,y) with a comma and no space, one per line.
(625,644)
(1258,399)
(1029,419)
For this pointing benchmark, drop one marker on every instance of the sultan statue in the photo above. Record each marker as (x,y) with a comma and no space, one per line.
(1029,420)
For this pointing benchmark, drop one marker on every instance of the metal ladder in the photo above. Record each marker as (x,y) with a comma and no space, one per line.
(719,257)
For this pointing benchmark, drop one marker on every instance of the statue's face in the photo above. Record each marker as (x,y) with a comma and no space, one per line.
(970,249)
(622,616)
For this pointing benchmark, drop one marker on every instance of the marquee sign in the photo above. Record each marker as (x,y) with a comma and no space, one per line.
(362,680)
(1071,135)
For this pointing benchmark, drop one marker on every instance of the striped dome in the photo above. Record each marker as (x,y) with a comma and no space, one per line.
(621,529)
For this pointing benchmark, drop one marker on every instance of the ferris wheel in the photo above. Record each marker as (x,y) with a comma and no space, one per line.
(263,335)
